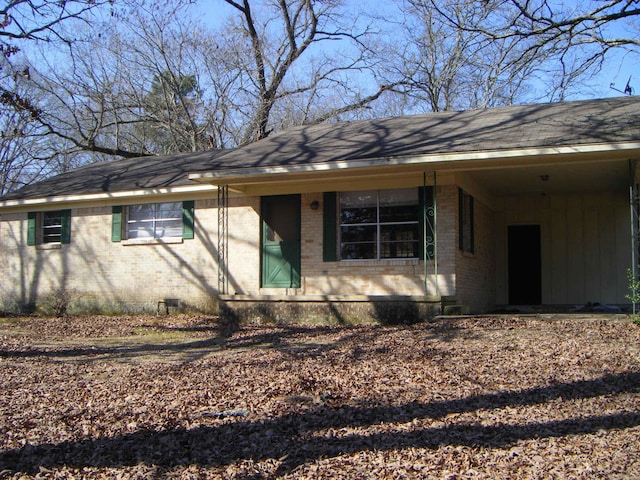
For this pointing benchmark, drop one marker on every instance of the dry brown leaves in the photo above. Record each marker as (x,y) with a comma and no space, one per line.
(500,397)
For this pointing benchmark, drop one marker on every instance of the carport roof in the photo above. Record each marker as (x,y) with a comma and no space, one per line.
(612,121)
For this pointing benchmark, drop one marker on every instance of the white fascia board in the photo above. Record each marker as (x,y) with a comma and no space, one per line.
(224,176)
(110,197)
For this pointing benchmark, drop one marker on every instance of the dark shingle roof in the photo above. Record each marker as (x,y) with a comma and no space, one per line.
(515,127)
(122,175)
(612,120)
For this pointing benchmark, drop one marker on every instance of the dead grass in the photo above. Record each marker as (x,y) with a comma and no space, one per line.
(171,397)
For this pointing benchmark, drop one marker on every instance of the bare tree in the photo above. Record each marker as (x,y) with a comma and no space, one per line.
(574,39)
(27,152)
(34,20)
(277,40)
(26,155)
(18,165)
(123,93)
(440,65)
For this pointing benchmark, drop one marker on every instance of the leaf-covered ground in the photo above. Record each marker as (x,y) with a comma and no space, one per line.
(170,397)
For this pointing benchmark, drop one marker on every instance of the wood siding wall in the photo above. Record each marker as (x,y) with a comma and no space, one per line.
(586,245)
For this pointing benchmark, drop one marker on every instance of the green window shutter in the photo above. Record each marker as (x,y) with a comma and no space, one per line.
(460,219)
(427,215)
(116,223)
(472,239)
(329,228)
(188,219)
(65,223)
(466,239)
(32,228)
(421,216)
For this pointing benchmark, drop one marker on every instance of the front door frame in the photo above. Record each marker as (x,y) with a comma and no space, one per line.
(280,241)
(524,269)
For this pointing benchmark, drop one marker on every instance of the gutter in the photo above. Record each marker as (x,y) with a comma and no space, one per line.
(109,197)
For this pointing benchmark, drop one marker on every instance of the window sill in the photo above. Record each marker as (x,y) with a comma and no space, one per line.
(378,263)
(48,246)
(152,241)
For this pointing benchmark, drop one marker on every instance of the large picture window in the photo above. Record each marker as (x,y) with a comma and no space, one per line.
(379,224)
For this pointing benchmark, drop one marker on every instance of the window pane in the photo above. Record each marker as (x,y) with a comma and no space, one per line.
(358,215)
(168,220)
(399,197)
(399,205)
(140,230)
(358,207)
(140,222)
(365,233)
(168,228)
(364,198)
(358,251)
(399,241)
(169,210)
(140,212)
(466,222)
(405,213)
(358,242)
(52,227)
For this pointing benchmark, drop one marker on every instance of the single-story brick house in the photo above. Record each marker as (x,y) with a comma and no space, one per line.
(488,209)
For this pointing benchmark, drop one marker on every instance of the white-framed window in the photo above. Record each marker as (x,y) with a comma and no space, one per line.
(154,220)
(379,224)
(49,227)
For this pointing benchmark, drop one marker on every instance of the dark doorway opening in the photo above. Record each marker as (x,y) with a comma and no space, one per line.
(525,265)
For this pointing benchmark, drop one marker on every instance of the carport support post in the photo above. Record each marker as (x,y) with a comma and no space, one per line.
(425,255)
(435,234)
(633,210)
(223,237)
(426,226)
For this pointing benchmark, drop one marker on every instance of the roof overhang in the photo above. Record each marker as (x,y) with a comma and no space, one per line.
(343,174)
(247,179)
(124,197)
(457,160)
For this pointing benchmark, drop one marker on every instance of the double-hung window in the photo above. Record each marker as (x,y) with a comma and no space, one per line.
(382,224)
(153,221)
(51,227)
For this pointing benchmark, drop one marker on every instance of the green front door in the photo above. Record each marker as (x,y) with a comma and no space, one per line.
(281,241)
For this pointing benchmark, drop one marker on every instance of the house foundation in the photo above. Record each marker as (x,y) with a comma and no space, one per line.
(330,309)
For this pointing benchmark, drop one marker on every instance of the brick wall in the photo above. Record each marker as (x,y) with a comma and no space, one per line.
(103,272)
(110,275)
(475,272)
(386,277)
